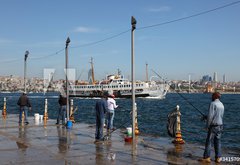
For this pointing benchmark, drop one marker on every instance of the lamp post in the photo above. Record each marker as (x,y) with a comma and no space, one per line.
(66,70)
(133,22)
(25,69)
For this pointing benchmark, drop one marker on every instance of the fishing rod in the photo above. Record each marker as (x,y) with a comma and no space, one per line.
(182,96)
(123,123)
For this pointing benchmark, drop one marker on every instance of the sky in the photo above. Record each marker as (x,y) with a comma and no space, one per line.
(171,46)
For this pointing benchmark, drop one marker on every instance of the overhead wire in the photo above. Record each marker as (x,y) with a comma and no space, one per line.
(49,55)
(140,28)
(188,17)
(103,40)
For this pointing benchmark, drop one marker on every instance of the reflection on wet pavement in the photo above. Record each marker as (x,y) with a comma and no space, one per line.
(21,144)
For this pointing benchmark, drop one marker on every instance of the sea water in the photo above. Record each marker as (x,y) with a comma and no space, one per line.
(152,113)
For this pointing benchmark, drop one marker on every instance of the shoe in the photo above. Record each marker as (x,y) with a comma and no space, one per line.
(205,160)
(218,160)
(26,123)
(99,141)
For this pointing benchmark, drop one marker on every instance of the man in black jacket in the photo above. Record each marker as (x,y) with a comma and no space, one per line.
(62,110)
(23,102)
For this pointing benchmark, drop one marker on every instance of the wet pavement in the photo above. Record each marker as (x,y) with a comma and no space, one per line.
(46,143)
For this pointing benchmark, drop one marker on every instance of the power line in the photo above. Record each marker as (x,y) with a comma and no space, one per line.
(52,54)
(121,33)
(32,58)
(96,42)
(191,16)
(10,60)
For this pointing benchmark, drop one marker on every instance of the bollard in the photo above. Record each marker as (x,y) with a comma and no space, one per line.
(45,117)
(136,122)
(23,116)
(178,138)
(71,111)
(4,111)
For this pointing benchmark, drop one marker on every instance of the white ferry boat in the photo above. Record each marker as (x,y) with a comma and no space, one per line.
(120,87)
(117,85)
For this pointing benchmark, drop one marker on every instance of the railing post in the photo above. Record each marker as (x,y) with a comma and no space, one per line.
(178,138)
(71,111)
(45,117)
(4,111)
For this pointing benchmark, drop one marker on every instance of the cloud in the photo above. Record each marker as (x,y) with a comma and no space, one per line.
(82,29)
(160,9)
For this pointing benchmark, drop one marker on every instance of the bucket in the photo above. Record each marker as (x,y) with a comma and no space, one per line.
(41,117)
(36,122)
(69,124)
(128,139)
(129,131)
(36,116)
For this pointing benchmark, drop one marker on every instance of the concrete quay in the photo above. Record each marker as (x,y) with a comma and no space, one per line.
(46,143)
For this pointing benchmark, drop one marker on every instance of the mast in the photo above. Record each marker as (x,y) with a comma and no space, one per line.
(93,79)
(147,72)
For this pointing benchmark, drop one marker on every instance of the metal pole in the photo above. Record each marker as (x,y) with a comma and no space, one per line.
(25,69)
(133,22)
(66,70)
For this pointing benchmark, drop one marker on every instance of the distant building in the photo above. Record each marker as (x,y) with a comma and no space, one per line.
(224,79)
(215,77)
(206,79)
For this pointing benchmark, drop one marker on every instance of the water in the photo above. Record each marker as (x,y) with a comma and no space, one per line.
(152,114)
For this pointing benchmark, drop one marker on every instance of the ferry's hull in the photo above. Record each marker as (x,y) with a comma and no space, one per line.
(116,95)
(119,94)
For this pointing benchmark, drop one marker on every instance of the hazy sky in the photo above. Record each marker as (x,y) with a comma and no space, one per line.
(197,46)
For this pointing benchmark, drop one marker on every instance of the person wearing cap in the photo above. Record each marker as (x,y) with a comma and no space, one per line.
(110,114)
(214,127)
(23,102)
(101,109)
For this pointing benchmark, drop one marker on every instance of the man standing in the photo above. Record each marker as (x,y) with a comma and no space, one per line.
(62,110)
(23,102)
(214,127)
(101,109)
(110,114)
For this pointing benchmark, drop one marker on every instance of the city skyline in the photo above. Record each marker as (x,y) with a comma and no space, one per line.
(172,46)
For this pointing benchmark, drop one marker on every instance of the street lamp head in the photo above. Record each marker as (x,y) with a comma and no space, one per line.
(133,22)
(26,55)
(67,42)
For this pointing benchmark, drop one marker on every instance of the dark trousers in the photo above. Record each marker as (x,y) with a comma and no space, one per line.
(62,114)
(23,109)
(99,128)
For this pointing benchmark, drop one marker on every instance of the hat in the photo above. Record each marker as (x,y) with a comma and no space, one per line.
(112,96)
(216,95)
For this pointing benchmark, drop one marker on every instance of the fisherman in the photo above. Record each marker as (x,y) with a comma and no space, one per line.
(62,110)
(23,102)
(214,127)
(110,114)
(101,109)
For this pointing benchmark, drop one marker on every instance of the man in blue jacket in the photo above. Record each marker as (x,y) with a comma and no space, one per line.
(214,127)
(101,109)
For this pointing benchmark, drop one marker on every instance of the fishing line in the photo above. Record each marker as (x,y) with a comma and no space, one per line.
(123,123)
(182,96)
